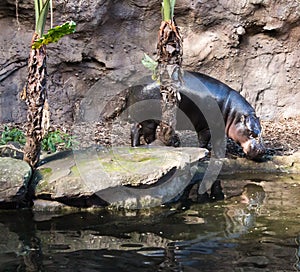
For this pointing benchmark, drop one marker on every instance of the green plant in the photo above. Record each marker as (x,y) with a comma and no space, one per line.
(57,139)
(55,34)
(168,7)
(41,8)
(169,67)
(35,92)
(151,64)
(52,141)
(12,135)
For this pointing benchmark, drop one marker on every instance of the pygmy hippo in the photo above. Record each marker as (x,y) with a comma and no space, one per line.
(240,121)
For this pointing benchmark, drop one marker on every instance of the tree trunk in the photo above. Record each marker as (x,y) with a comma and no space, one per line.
(169,49)
(35,96)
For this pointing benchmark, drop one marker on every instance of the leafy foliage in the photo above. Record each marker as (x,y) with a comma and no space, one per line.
(12,135)
(168,7)
(52,141)
(172,6)
(41,11)
(150,64)
(54,34)
(55,139)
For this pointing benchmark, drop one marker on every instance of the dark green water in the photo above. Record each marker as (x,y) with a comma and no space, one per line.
(256,228)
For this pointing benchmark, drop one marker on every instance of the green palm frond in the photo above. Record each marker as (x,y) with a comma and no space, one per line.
(150,64)
(172,6)
(168,7)
(54,34)
(41,12)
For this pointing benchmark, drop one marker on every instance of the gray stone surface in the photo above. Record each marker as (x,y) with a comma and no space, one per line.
(122,177)
(251,45)
(277,164)
(244,167)
(128,177)
(13,175)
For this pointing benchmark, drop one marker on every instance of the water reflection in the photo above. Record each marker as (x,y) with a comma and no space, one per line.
(256,228)
(19,237)
(241,211)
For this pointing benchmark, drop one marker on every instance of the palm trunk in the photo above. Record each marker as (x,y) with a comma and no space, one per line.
(35,96)
(169,50)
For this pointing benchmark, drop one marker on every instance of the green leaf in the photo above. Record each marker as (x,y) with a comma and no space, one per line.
(42,16)
(56,139)
(149,63)
(55,34)
(168,7)
(37,11)
(14,135)
(172,6)
(166,10)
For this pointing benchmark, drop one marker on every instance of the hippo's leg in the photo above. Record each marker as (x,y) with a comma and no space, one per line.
(149,130)
(216,191)
(204,137)
(135,134)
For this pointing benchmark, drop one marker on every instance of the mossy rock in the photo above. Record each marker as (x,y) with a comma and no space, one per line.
(113,174)
(14,177)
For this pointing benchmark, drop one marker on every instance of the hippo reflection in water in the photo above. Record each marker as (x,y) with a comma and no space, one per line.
(241,123)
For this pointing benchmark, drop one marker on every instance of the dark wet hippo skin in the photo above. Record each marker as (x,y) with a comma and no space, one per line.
(146,129)
(241,123)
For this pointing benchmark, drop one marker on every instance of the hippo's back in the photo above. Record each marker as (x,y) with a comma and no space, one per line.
(199,93)
(230,102)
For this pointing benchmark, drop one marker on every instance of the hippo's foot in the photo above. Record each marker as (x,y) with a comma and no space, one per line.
(216,191)
(203,198)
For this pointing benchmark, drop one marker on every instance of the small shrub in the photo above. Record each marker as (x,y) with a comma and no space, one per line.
(57,140)
(53,141)
(12,135)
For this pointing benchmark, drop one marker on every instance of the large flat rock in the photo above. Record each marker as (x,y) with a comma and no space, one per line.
(122,177)
(127,177)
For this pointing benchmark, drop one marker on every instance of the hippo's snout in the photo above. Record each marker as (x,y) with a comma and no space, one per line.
(254,148)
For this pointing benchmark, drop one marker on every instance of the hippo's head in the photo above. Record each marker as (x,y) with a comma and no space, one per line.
(247,132)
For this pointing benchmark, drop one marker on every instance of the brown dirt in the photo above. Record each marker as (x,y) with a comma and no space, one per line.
(281,137)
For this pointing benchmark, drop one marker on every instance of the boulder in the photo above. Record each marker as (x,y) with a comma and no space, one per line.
(120,176)
(14,177)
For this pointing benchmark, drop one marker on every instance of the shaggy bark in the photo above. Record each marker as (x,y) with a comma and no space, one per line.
(35,96)
(169,49)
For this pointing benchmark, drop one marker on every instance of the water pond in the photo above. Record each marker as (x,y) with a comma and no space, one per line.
(256,228)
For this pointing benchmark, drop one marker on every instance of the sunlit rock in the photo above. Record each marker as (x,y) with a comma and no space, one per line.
(122,177)
(14,177)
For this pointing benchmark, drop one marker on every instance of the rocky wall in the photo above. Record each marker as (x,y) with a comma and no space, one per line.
(252,45)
